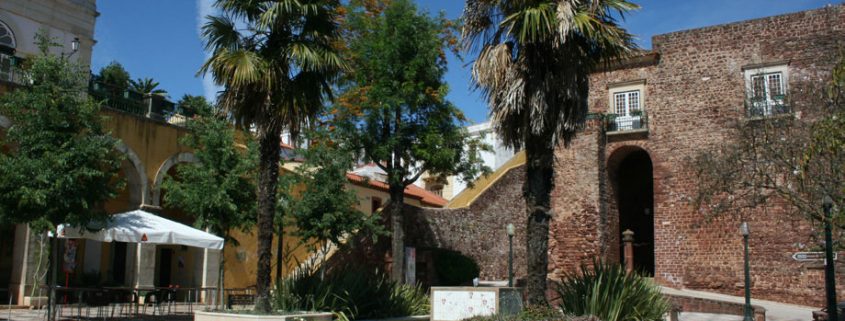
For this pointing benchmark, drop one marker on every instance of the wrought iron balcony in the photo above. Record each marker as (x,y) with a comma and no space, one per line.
(627,123)
(760,108)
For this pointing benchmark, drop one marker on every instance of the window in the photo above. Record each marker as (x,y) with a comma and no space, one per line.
(766,90)
(7,38)
(436,189)
(7,51)
(6,67)
(627,104)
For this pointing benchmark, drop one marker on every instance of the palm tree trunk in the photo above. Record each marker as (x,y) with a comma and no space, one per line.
(537,191)
(394,209)
(268,176)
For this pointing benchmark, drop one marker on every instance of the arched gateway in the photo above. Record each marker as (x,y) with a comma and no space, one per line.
(632,184)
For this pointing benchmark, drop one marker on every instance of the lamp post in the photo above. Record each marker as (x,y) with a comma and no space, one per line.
(829,277)
(74,47)
(748,315)
(510,230)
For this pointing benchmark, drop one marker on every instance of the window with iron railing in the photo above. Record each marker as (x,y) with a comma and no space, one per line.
(626,109)
(766,91)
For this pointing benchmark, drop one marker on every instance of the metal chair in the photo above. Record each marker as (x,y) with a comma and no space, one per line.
(124,299)
(99,299)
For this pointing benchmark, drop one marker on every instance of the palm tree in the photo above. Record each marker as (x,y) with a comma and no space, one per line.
(534,60)
(275,60)
(146,86)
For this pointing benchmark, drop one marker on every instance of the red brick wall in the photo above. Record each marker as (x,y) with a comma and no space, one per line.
(694,92)
(478,231)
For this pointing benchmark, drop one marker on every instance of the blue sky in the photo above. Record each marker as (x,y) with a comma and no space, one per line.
(159,38)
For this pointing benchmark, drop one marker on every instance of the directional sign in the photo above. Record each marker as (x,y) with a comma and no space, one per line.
(810,256)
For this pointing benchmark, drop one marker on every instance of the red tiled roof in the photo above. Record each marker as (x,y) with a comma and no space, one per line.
(414,191)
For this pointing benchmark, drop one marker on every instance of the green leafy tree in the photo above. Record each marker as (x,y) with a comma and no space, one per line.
(146,86)
(115,77)
(61,165)
(533,66)
(790,163)
(396,96)
(219,189)
(324,210)
(195,105)
(275,61)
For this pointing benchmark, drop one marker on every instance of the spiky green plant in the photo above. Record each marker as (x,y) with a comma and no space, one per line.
(351,292)
(608,293)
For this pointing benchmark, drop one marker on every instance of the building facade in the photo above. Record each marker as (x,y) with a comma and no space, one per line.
(631,168)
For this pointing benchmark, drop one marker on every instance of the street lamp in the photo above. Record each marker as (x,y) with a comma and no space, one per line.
(748,314)
(829,276)
(510,230)
(74,47)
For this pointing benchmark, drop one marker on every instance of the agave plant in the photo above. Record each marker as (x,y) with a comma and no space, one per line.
(351,292)
(605,291)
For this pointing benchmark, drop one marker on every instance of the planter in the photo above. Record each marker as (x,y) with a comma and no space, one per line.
(223,316)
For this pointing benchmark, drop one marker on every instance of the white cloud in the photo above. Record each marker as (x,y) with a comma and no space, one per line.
(206,8)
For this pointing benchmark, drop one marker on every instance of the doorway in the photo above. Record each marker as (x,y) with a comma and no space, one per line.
(119,263)
(634,191)
(7,246)
(165,267)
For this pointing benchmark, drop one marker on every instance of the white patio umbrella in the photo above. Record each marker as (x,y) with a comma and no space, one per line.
(136,226)
(140,226)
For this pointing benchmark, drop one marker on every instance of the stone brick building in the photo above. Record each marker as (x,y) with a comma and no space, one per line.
(633,172)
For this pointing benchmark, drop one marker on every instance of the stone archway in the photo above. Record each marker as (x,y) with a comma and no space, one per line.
(631,175)
(162,171)
(136,177)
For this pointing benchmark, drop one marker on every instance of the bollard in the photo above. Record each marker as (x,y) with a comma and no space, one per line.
(628,240)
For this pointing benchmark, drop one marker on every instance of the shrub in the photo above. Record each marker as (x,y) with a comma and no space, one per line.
(534,314)
(454,268)
(607,292)
(352,292)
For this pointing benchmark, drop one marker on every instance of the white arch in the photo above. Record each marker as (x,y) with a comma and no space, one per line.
(140,177)
(162,171)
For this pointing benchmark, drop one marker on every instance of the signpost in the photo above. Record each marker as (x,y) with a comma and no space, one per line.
(811,256)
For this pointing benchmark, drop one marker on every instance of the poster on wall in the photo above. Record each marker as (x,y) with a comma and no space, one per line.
(411,265)
(70,256)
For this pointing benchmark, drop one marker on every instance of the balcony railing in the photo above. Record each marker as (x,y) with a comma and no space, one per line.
(150,106)
(627,123)
(765,108)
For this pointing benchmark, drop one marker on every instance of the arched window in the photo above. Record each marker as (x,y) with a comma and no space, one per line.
(7,38)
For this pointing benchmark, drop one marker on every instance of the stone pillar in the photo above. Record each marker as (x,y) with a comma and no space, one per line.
(145,266)
(93,255)
(131,266)
(30,249)
(210,274)
(628,240)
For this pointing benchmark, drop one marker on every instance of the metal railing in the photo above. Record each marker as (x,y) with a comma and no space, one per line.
(622,123)
(146,105)
(766,108)
(81,303)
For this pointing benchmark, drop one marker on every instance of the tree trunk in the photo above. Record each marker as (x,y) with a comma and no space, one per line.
(537,189)
(394,209)
(279,250)
(268,176)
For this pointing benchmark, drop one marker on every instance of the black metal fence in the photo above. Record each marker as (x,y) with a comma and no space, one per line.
(619,123)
